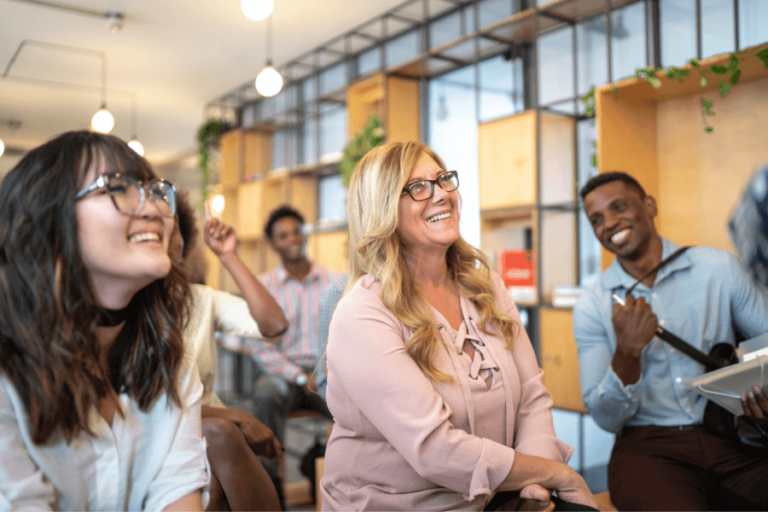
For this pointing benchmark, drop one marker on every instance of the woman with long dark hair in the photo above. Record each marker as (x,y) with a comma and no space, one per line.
(99,409)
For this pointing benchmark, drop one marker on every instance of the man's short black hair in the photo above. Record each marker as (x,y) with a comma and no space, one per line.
(280,213)
(187,219)
(602,179)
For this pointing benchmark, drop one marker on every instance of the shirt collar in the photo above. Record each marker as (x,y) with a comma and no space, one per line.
(283,275)
(615,276)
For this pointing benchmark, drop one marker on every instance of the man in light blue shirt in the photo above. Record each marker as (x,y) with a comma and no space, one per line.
(631,380)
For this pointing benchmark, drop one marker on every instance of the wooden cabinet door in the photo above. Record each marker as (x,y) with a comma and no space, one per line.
(559,359)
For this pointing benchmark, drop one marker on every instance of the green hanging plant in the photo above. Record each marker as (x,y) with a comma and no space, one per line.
(370,137)
(208,137)
(728,76)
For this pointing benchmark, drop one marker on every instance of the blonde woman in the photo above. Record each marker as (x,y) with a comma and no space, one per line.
(432,381)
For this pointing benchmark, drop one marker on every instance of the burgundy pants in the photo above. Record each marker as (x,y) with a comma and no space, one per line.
(654,468)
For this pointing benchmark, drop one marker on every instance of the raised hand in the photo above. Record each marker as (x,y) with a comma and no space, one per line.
(221,238)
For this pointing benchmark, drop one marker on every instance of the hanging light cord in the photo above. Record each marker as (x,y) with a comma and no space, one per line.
(103,80)
(269,41)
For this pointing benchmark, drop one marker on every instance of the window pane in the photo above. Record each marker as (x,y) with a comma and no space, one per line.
(402,48)
(369,61)
(678,31)
(453,136)
(333,78)
(592,53)
(284,148)
(628,41)
(309,89)
(333,199)
(491,11)
(333,131)
(309,142)
(445,29)
(589,247)
(717,27)
(501,87)
(249,114)
(556,66)
(753,22)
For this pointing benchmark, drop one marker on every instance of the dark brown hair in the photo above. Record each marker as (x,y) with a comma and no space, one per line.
(608,177)
(48,313)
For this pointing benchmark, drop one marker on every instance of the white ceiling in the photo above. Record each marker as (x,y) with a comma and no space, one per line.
(174,55)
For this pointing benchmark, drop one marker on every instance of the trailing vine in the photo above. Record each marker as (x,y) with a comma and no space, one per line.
(208,138)
(370,137)
(728,76)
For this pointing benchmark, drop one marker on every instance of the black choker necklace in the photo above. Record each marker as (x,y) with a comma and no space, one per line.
(112,317)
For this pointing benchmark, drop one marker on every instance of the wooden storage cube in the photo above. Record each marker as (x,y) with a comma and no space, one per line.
(657,136)
(395,99)
(364,98)
(559,359)
(508,233)
(402,115)
(558,163)
(559,247)
(258,153)
(329,249)
(507,162)
(303,191)
(252,252)
(229,214)
(250,211)
(231,149)
(213,276)
(273,194)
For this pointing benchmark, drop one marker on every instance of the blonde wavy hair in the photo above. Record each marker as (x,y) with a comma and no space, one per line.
(375,248)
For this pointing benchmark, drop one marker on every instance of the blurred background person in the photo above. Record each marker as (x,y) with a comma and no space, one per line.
(289,380)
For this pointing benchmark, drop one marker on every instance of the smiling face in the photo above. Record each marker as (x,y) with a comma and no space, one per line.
(621,219)
(288,240)
(431,224)
(122,253)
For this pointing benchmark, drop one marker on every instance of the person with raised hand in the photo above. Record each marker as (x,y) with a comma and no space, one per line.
(235,439)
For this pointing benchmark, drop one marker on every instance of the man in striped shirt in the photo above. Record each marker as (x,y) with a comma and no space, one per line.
(289,380)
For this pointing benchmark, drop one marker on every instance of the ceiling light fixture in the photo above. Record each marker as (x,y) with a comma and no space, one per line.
(269,82)
(102,120)
(257,10)
(135,145)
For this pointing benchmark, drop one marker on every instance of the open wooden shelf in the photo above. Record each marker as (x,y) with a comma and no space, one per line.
(394,99)
(657,135)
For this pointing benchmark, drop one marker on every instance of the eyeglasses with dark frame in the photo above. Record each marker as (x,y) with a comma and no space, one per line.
(424,189)
(128,194)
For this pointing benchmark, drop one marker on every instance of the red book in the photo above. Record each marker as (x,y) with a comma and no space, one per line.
(518,272)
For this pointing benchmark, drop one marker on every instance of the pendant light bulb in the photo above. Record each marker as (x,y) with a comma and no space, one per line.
(102,121)
(2,148)
(257,10)
(269,82)
(136,146)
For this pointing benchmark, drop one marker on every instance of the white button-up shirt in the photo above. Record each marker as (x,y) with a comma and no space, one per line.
(144,461)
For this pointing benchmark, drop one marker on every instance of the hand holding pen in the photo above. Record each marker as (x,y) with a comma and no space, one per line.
(641,310)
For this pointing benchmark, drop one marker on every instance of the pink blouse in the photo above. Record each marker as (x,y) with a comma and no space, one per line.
(405,442)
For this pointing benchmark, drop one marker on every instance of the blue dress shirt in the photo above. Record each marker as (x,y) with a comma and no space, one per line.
(700,297)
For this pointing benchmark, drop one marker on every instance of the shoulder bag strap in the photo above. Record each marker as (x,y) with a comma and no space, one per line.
(686,348)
